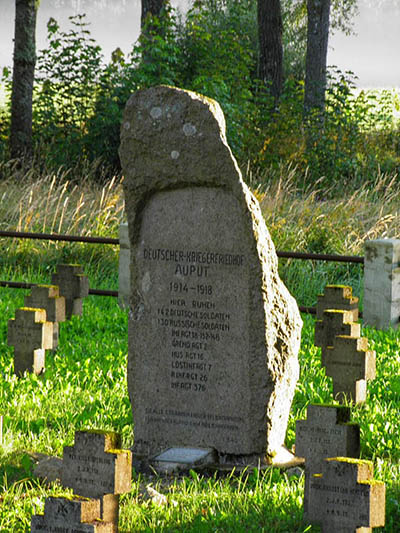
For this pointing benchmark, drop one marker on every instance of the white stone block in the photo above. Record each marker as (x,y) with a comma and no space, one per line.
(382,283)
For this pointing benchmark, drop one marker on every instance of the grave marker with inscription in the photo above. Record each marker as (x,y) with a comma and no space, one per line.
(96,467)
(344,498)
(63,515)
(31,335)
(334,322)
(73,285)
(213,332)
(327,432)
(47,297)
(350,365)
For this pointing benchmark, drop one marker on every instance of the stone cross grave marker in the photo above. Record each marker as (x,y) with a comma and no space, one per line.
(30,335)
(96,467)
(350,364)
(47,297)
(327,432)
(344,498)
(73,285)
(337,297)
(334,322)
(78,515)
(213,332)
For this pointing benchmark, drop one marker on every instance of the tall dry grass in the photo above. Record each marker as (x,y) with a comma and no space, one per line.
(326,218)
(34,201)
(53,203)
(307,217)
(300,216)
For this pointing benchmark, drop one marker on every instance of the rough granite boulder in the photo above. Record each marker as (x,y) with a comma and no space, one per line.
(213,332)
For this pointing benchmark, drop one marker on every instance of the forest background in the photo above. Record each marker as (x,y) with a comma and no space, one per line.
(215,49)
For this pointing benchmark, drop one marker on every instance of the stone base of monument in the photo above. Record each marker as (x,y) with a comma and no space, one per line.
(175,460)
(284,458)
(181,459)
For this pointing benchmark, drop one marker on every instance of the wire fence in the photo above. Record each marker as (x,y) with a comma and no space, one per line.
(113,241)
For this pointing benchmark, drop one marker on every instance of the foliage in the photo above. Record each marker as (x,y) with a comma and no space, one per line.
(79,99)
(356,137)
(66,82)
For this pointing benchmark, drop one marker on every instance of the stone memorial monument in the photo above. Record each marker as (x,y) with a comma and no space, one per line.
(213,332)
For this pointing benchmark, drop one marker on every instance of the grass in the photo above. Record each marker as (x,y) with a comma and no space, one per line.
(84,385)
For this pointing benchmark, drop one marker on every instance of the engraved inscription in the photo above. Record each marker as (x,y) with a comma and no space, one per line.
(340,500)
(194,317)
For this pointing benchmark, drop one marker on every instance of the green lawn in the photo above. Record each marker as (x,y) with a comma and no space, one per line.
(84,386)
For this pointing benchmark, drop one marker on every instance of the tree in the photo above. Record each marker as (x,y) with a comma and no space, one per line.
(23,76)
(318,12)
(152,8)
(270,45)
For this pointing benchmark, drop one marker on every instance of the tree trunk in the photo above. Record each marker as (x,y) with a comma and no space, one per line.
(152,7)
(317,49)
(23,76)
(270,44)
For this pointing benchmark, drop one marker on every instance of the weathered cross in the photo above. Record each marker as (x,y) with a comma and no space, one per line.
(96,467)
(334,322)
(73,285)
(70,515)
(327,432)
(30,335)
(350,364)
(337,297)
(47,297)
(344,498)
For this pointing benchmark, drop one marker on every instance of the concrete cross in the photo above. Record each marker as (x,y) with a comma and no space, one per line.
(47,297)
(334,322)
(344,498)
(96,467)
(73,285)
(31,335)
(337,297)
(70,515)
(327,432)
(350,364)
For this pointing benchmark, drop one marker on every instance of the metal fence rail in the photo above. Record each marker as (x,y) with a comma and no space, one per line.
(58,237)
(322,257)
(113,241)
